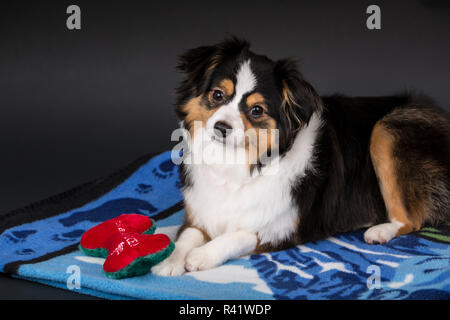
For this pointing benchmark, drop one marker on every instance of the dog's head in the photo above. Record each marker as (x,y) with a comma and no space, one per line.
(230,91)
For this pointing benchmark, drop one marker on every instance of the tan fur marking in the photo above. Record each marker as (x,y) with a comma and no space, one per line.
(255,99)
(196,111)
(255,152)
(381,151)
(228,86)
(188,223)
(288,103)
(252,100)
(215,61)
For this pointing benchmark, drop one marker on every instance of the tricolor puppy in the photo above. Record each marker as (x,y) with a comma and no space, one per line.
(340,163)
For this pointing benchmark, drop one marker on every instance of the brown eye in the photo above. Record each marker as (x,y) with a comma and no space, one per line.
(218,96)
(256,111)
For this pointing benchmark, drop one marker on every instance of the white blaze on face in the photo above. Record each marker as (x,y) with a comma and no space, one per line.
(229,113)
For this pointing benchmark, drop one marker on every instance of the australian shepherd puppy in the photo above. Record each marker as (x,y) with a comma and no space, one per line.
(313,166)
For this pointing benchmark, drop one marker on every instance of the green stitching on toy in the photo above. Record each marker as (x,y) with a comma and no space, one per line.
(99,252)
(142,265)
(152,229)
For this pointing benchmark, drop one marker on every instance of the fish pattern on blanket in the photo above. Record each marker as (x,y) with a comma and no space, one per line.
(340,267)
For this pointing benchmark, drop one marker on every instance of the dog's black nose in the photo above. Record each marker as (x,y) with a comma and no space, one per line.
(222,128)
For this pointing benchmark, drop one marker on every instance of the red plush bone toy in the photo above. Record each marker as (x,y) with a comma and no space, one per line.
(128,244)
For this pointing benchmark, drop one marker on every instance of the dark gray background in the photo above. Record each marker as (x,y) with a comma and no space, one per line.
(76,105)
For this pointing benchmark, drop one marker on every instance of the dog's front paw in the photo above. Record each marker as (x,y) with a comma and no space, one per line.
(381,233)
(200,259)
(172,266)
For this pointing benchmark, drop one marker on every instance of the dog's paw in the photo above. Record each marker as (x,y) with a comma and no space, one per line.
(200,259)
(172,266)
(381,233)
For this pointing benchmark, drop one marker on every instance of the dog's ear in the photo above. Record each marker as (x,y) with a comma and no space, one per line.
(198,65)
(299,99)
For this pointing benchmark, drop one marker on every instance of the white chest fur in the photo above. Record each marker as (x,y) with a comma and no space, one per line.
(262,204)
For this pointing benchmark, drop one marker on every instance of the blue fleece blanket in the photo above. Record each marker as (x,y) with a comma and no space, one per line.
(39,243)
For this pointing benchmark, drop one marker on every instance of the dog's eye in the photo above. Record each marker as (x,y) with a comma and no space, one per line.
(218,96)
(256,111)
